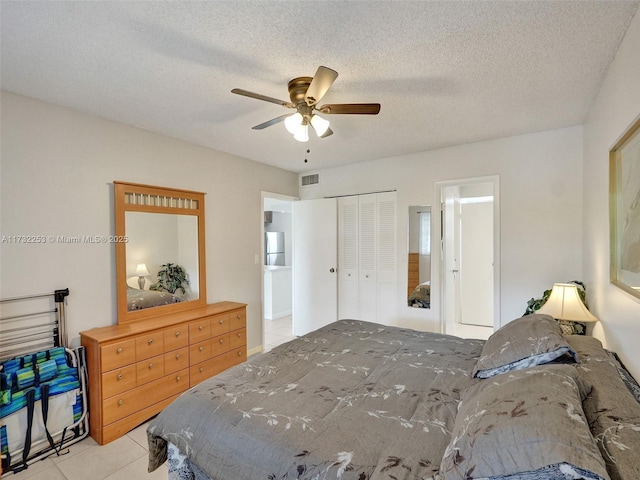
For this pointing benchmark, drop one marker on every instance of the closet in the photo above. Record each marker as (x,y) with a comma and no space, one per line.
(367,257)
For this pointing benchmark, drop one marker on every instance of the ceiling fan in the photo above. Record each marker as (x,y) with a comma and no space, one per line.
(305,93)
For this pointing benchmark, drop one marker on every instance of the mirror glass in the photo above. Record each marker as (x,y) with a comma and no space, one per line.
(166,243)
(160,264)
(419,261)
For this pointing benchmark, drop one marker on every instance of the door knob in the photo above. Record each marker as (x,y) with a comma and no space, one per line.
(332,270)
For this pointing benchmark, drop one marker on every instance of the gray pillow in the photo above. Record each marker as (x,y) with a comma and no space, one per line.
(525,425)
(528,341)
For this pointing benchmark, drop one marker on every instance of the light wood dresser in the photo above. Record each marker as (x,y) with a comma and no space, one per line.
(137,369)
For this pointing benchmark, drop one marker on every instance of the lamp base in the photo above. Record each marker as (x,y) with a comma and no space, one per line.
(141,283)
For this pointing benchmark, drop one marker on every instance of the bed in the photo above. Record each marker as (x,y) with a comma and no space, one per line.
(139,299)
(421,296)
(359,400)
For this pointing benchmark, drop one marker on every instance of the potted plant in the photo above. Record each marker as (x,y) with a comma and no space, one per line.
(171,278)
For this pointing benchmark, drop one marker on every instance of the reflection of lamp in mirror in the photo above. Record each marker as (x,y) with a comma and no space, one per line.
(141,272)
(564,303)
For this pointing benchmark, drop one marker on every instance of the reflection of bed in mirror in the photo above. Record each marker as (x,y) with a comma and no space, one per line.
(139,299)
(421,296)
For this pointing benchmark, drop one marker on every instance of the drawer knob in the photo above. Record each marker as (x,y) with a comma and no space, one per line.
(200,327)
(150,341)
(177,334)
(119,376)
(201,348)
(221,341)
(221,321)
(120,402)
(239,353)
(201,369)
(150,366)
(238,316)
(239,334)
(178,356)
(178,378)
(119,350)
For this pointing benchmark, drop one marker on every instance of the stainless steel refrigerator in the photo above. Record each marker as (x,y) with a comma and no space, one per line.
(274,248)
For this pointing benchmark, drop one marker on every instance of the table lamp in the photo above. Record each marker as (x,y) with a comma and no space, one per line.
(141,272)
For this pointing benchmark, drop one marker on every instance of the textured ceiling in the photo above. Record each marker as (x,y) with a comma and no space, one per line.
(445,72)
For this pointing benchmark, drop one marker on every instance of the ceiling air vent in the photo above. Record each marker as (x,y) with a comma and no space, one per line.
(312,179)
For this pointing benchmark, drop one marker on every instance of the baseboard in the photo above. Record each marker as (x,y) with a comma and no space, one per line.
(254,350)
(279,315)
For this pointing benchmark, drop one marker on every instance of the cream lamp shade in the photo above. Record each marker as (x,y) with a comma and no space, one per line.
(564,303)
(141,272)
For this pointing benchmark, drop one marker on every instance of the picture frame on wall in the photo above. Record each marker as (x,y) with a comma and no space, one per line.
(624,205)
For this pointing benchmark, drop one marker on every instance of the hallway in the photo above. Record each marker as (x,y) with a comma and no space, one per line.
(277,332)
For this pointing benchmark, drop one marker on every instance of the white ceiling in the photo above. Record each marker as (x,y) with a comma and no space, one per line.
(445,72)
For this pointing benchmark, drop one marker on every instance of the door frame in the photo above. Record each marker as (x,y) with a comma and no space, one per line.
(263,196)
(437,243)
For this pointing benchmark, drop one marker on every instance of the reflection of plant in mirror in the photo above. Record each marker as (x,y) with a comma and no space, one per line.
(171,276)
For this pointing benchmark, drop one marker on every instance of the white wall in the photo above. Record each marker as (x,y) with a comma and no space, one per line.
(614,109)
(57,166)
(541,208)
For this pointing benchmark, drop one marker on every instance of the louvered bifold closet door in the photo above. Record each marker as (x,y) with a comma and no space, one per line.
(386,258)
(367,257)
(367,226)
(348,257)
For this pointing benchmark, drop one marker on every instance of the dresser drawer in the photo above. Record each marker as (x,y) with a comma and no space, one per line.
(117,354)
(238,338)
(219,324)
(215,365)
(200,352)
(237,319)
(200,330)
(149,369)
(127,403)
(176,337)
(176,360)
(202,371)
(118,380)
(234,357)
(220,345)
(149,345)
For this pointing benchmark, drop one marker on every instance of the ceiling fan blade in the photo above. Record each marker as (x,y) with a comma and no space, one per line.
(322,81)
(273,121)
(327,133)
(258,96)
(350,108)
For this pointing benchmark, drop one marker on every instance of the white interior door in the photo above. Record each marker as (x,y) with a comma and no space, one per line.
(315,255)
(476,253)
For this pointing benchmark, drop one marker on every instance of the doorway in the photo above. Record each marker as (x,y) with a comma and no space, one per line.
(277,263)
(470,257)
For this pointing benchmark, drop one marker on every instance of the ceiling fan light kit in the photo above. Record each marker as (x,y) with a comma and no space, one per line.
(320,125)
(305,93)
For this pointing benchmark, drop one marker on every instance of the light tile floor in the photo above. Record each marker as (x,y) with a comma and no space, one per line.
(277,332)
(124,458)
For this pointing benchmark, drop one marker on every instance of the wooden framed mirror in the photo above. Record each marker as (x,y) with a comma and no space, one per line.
(160,264)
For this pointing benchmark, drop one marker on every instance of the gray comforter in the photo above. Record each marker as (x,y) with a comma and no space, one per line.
(361,401)
(350,401)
